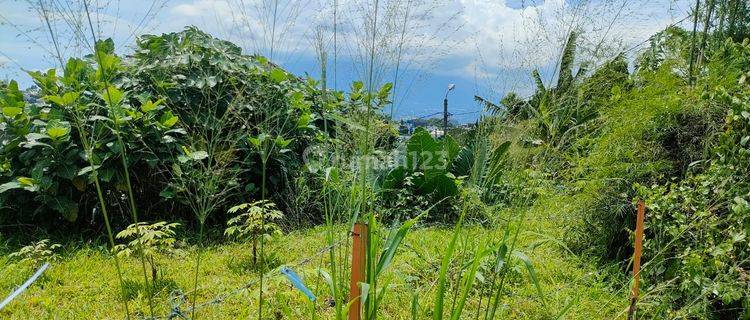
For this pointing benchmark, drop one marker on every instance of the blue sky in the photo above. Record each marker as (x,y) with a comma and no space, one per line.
(486,48)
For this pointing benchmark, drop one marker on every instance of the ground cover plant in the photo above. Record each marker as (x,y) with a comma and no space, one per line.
(186,178)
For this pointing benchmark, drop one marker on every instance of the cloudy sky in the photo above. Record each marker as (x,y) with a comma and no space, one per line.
(486,48)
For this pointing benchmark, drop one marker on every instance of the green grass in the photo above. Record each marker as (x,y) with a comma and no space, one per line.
(78,286)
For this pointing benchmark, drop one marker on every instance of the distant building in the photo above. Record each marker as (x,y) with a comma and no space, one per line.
(433,125)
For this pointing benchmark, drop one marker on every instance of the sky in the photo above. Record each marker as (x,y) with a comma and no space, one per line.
(486,48)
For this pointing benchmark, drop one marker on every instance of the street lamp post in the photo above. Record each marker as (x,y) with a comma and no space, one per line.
(445,109)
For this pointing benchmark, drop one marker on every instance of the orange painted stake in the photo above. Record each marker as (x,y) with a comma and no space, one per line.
(359,243)
(637,257)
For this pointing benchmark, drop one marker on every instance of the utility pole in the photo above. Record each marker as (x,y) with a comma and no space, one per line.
(445,109)
(445,116)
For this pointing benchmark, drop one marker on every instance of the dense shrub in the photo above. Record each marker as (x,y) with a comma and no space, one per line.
(595,136)
(698,227)
(196,117)
(47,144)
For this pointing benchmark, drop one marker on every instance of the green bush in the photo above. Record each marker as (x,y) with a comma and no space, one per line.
(46,173)
(698,227)
(424,177)
(190,109)
(595,136)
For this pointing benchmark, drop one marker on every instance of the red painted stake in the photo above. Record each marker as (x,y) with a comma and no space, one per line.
(637,257)
(359,243)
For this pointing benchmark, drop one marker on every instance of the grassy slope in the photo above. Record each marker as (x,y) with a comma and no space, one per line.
(82,284)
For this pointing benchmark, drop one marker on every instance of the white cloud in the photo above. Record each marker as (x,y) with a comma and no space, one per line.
(202,8)
(473,39)
(496,37)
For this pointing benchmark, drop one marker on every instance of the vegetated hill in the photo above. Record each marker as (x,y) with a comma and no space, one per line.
(675,132)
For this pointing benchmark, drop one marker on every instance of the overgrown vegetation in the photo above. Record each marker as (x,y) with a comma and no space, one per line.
(190,129)
(610,136)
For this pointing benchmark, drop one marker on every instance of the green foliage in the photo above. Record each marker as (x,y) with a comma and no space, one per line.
(148,241)
(239,113)
(593,136)
(47,144)
(425,175)
(168,102)
(37,253)
(253,221)
(704,220)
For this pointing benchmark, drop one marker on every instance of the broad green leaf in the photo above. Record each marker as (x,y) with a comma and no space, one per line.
(26,181)
(421,151)
(259,140)
(151,106)
(112,96)
(13,97)
(304,120)
(385,90)
(277,75)
(57,132)
(74,72)
(106,46)
(281,142)
(443,185)
(168,119)
(57,129)
(451,148)
(394,178)
(357,86)
(167,193)
(254,141)
(12,112)
(67,99)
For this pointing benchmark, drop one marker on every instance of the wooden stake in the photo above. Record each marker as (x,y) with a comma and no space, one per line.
(359,243)
(637,258)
